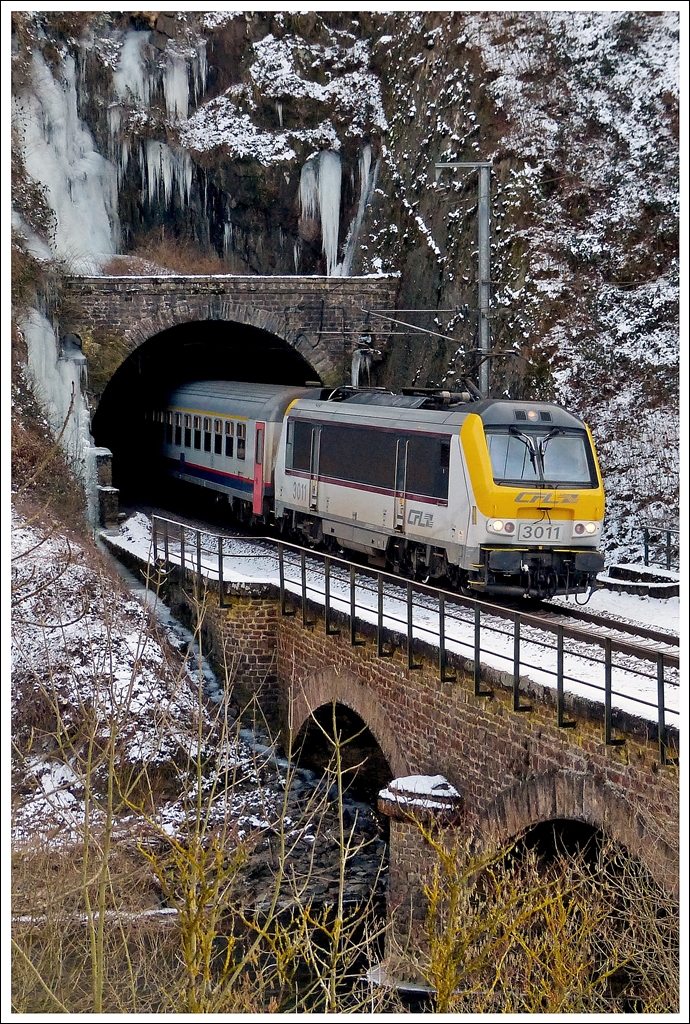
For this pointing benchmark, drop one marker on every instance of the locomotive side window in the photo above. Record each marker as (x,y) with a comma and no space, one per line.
(229,439)
(178,428)
(241,440)
(197,433)
(187,431)
(218,437)
(300,436)
(427,466)
(356,453)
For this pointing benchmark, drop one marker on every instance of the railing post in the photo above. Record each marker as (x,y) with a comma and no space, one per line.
(517,706)
(478,692)
(198,554)
(410,638)
(442,642)
(608,714)
(353,610)
(221,582)
(327,597)
(562,724)
(154,538)
(661,707)
(182,552)
(379,620)
(166,545)
(281,576)
(303,567)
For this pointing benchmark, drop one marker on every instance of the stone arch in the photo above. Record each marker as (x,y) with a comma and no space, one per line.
(334,683)
(585,797)
(218,308)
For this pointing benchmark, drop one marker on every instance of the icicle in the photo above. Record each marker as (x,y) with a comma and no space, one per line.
(279,108)
(295,253)
(361,365)
(170,168)
(131,79)
(176,87)
(309,190)
(367,185)
(227,238)
(200,70)
(330,175)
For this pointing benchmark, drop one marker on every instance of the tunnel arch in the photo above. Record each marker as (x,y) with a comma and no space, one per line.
(333,683)
(185,351)
(581,797)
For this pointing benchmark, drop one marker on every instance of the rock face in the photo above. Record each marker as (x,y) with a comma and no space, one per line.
(305,143)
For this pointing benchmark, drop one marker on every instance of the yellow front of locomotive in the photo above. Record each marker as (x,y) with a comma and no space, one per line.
(536,500)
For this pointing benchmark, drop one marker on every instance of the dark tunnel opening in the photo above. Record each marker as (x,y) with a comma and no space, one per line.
(203,350)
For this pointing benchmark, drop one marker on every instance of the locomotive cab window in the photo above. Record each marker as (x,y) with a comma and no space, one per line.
(229,438)
(548,458)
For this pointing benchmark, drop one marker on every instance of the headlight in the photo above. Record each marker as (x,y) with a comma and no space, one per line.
(586,528)
(500,526)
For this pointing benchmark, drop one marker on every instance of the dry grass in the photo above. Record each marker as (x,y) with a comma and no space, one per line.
(161,253)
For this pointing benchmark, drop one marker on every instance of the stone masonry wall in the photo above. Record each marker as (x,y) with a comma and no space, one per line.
(320,317)
(514,769)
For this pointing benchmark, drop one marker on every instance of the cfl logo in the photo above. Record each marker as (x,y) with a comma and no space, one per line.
(418,518)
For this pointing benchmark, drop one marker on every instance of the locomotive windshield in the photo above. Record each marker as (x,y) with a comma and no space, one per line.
(557,458)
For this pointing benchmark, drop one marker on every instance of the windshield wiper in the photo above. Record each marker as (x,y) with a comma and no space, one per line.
(535,457)
(543,442)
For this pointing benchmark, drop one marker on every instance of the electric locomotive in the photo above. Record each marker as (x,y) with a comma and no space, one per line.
(491,496)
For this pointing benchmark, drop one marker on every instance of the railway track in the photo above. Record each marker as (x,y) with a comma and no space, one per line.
(585,627)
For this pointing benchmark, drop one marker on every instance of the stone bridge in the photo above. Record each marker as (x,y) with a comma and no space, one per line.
(514,769)
(321,318)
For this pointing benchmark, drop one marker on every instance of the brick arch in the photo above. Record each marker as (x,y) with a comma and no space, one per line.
(581,796)
(220,309)
(335,683)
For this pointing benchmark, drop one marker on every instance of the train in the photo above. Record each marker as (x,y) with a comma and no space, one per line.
(483,495)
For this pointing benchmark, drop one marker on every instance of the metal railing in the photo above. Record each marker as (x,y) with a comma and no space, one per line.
(456,625)
(659,547)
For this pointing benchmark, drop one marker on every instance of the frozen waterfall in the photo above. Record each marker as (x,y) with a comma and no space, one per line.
(319,193)
(59,153)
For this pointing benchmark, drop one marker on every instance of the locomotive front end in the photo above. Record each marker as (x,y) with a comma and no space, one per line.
(538,507)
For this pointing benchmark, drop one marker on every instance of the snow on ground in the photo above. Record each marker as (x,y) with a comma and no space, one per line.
(92,658)
(634,681)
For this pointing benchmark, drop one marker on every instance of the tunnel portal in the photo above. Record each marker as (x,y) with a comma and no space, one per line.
(201,350)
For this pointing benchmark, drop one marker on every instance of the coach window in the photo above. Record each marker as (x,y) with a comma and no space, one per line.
(241,440)
(207,433)
(218,437)
(178,428)
(197,433)
(187,431)
(168,427)
(229,438)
